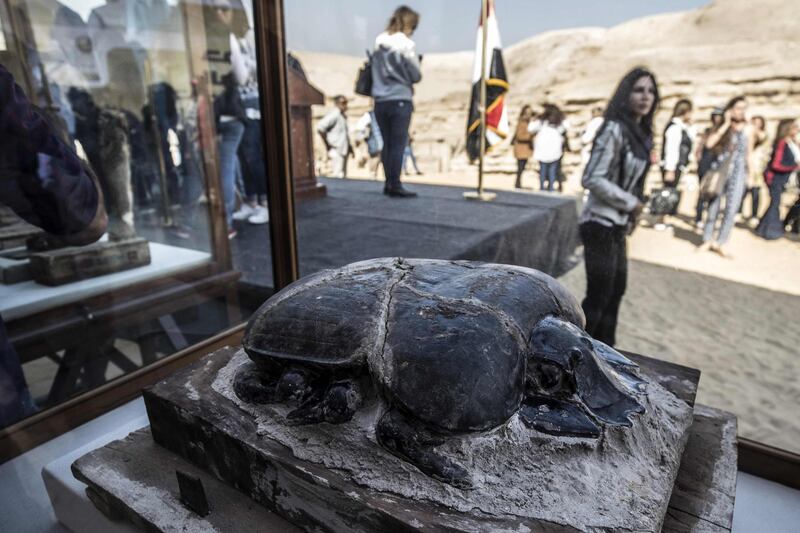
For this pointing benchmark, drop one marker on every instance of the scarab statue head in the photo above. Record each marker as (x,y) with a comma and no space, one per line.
(450,348)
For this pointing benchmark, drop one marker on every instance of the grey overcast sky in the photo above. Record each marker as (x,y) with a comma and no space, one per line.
(350,26)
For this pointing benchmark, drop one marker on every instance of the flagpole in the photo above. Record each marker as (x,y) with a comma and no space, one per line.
(480,195)
(484,26)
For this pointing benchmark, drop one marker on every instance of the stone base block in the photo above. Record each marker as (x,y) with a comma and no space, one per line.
(14,270)
(65,265)
(16,234)
(704,493)
(702,500)
(134,479)
(336,478)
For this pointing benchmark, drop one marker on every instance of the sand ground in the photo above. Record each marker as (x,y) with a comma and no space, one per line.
(735,319)
(743,338)
(773,265)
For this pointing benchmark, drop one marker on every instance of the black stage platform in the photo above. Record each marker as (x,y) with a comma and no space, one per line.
(356,221)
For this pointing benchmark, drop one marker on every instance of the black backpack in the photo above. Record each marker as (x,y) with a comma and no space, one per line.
(364,78)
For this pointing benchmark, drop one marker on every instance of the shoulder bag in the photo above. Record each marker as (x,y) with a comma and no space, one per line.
(713,182)
(364,78)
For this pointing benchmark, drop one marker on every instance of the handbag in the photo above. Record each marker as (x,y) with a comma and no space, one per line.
(364,78)
(664,201)
(713,182)
(229,102)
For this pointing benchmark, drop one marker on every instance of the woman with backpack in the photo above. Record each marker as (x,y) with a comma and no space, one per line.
(676,148)
(614,177)
(395,69)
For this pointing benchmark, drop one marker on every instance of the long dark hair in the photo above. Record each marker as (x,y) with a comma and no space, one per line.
(619,110)
(725,141)
(682,106)
(759,141)
(784,126)
(402,19)
(733,101)
(552,114)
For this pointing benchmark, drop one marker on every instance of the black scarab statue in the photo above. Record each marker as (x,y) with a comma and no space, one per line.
(450,348)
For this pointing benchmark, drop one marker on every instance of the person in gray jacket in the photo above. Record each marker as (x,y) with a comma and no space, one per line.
(614,177)
(395,69)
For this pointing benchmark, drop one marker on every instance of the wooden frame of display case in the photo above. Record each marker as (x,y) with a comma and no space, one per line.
(85,331)
(41,427)
(275,124)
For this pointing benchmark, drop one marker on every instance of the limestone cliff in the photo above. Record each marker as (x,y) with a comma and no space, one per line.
(709,54)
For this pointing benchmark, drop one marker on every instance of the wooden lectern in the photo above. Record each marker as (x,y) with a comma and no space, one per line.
(302,95)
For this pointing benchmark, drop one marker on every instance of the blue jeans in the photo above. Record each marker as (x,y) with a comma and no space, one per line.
(733,193)
(548,173)
(409,153)
(229,135)
(393,119)
(771,226)
(251,157)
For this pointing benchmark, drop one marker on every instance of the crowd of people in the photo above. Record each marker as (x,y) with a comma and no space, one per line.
(734,161)
(734,158)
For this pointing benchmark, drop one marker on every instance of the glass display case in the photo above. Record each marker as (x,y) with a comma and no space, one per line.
(161,102)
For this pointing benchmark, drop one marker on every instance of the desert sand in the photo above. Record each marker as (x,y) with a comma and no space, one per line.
(743,338)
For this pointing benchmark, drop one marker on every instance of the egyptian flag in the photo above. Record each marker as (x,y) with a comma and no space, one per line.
(496,88)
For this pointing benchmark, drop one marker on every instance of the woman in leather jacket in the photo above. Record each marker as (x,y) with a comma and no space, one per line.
(614,177)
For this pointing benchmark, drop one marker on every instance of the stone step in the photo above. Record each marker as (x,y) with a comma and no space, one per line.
(191,415)
(705,490)
(702,499)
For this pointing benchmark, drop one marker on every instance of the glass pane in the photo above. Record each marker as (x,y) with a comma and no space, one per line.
(727,312)
(159,101)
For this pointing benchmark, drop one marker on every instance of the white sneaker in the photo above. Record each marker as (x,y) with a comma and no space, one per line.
(261,216)
(244,212)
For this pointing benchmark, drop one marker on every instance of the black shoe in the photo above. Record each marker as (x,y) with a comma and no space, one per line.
(400,192)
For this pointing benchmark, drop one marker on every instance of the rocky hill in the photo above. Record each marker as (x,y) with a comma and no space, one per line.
(710,54)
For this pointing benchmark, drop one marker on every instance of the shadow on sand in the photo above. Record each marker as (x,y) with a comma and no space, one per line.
(688,235)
